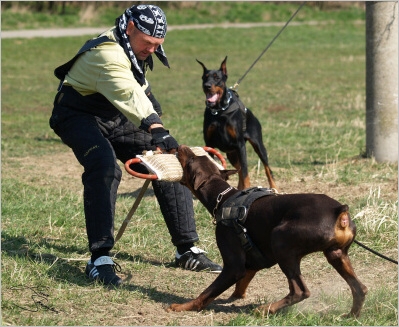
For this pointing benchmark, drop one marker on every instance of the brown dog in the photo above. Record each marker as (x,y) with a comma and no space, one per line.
(228,125)
(279,229)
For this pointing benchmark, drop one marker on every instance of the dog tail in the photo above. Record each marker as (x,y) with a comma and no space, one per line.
(344,228)
(343,217)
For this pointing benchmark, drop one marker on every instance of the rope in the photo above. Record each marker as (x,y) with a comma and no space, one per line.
(268,46)
(375,252)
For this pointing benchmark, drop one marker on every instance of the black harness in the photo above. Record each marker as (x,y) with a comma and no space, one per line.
(232,103)
(233,213)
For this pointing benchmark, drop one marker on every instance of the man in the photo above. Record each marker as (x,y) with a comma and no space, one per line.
(104,111)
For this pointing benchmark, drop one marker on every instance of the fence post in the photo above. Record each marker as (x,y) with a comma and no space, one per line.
(382,80)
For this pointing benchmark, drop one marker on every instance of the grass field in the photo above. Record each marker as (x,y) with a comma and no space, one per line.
(308,91)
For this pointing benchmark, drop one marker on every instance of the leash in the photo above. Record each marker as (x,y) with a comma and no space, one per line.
(268,46)
(375,252)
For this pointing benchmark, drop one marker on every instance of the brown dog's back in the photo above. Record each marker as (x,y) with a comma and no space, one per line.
(315,221)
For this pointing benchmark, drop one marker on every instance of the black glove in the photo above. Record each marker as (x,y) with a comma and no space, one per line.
(162,139)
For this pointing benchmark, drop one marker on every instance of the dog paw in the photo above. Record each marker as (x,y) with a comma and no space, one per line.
(351,315)
(237,296)
(174,307)
(166,307)
(188,306)
(264,310)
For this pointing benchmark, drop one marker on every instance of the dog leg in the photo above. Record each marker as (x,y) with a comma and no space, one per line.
(242,157)
(339,259)
(226,279)
(243,178)
(194,305)
(269,176)
(289,263)
(242,285)
(197,304)
(243,181)
(262,153)
(254,136)
(298,292)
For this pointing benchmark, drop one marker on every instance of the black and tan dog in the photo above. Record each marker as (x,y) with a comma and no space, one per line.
(228,124)
(274,229)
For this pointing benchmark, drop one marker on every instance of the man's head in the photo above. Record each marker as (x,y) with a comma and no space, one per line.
(142,44)
(146,29)
(142,31)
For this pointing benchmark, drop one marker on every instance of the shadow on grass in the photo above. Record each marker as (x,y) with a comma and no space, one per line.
(73,271)
(148,193)
(167,298)
(69,270)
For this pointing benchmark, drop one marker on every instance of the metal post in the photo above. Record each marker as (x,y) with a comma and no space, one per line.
(382,80)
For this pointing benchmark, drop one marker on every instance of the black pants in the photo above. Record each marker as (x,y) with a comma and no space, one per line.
(97,144)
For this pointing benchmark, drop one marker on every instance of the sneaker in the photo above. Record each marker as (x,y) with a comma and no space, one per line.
(196,260)
(103,270)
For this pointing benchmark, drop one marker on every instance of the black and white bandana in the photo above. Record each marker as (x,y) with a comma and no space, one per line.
(150,20)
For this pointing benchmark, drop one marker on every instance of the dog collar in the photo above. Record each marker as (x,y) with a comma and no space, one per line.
(216,111)
(219,198)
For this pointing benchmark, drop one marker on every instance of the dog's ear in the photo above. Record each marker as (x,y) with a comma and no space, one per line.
(199,179)
(223,67)
(203,66)
(226,173)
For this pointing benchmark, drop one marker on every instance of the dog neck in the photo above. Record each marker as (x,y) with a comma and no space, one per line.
(223,104)
(214,193)
(219,199)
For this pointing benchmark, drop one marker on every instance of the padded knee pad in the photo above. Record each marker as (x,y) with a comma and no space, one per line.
(176,204)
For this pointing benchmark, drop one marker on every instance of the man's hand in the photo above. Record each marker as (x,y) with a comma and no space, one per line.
(162,139)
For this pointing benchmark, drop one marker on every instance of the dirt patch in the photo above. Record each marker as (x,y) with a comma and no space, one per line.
(61,169)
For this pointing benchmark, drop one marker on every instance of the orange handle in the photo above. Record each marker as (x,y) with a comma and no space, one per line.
(217,154)
(135,173)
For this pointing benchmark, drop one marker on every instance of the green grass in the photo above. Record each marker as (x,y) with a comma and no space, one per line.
(308,91)
(22,15)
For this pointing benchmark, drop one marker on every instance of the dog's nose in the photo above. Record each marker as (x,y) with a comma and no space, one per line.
(208,86)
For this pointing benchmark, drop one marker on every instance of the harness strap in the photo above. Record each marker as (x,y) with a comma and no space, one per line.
(233,213)
(62,70)
(237,206)
(242,108)
(249,246)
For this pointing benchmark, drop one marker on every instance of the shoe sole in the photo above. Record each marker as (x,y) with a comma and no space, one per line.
(208,270)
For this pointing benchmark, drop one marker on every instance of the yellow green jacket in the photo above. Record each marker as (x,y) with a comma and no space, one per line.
(106,69)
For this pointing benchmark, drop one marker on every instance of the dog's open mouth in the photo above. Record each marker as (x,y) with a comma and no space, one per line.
(212,99)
